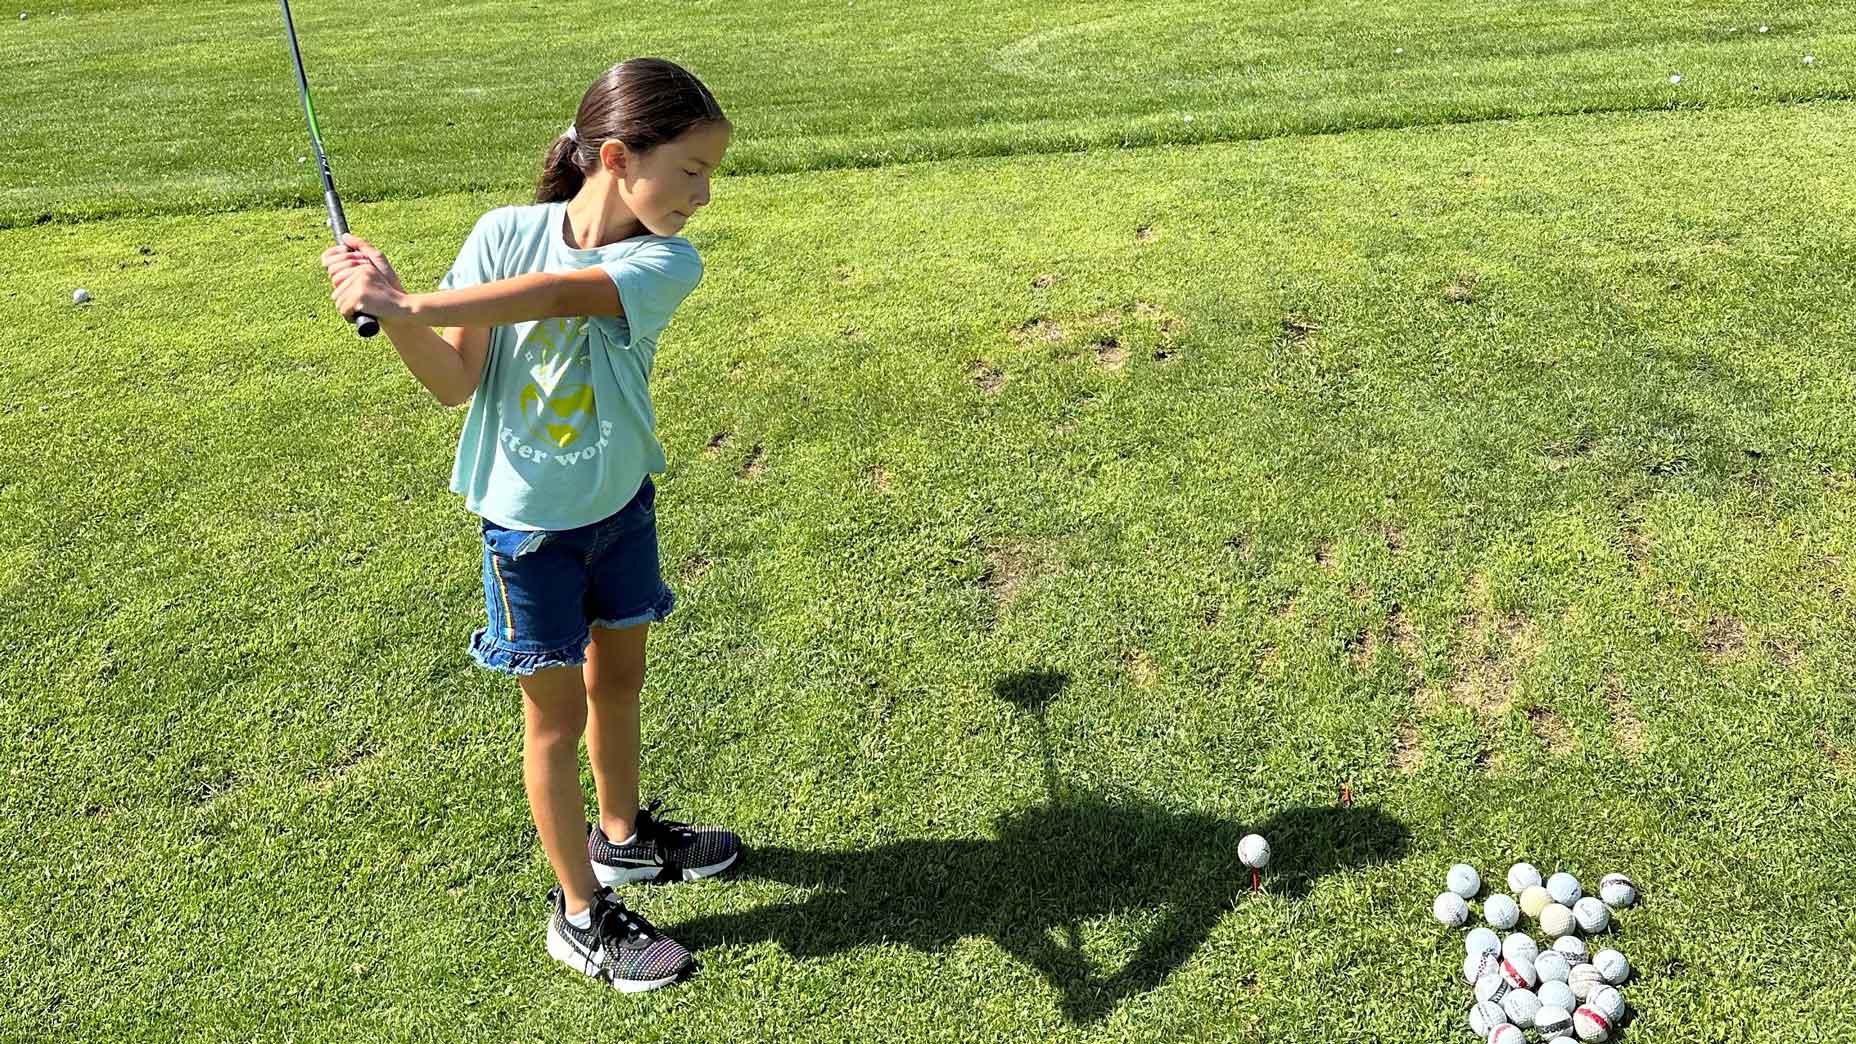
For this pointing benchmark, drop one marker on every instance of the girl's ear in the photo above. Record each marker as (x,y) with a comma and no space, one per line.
(614,156)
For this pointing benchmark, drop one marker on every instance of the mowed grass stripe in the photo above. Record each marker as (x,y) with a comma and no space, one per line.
(425,98)
(1269,452)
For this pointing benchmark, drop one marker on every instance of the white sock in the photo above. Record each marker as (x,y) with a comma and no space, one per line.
(583,919)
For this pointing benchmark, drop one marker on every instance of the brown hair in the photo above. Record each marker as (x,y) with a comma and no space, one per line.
(642,102)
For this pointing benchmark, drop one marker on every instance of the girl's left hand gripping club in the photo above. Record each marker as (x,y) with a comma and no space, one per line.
(364,324)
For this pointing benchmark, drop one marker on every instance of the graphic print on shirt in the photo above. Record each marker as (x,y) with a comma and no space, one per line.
(557,403)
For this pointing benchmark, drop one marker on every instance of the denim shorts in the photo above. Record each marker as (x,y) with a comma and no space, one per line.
(545,590)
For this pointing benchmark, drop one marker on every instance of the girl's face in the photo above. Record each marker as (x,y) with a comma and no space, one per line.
(664,187)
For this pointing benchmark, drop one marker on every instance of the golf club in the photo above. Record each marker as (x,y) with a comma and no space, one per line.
(364,324)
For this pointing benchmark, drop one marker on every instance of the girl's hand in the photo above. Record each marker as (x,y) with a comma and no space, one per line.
(364,280)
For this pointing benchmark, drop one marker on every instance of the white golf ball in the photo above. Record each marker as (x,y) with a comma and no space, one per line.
(1521,1007)
(80,296)
(1481,940)
(1556,995)
(1533,900)
(1492,987)
(1520,945)
(1765,28)
(1507,1033)
(1808,60)
(1564,888)
(1521,877)
(1556,919)
(1677,78)
(1618,891)
(1611,965)
(1501,911)
(1464,880)
(1609,1001)
(1450,910)
(1520,973)
(1253,851)
(1563,1040)
(1583,980)
(1591,1024)
(1552,1021)
(1553,966)
(1476,965)
(1572,948)
(1484,1016)
(1593,916)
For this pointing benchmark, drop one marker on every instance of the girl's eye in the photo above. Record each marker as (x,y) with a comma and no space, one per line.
(692,173)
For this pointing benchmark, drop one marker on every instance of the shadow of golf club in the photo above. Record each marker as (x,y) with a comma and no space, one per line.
(1046,871)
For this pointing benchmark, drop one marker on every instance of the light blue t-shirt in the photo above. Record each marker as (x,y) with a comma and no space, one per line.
(561,433)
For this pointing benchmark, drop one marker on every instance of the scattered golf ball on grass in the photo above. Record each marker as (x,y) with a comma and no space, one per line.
(1501,911)
(1534,899)
(1481,940)
(1521,1005)
(1583,979)
(1553,1021)
(1553,966)
(1556,920)
(1556,995)
(1450,910)
(1618,891)
(1253,851)
(1521,877)
(1464,880)
(1593,915)
(1507,1033)
(1564,888)
(80,296)
(1520,945)
(1484,1016)
(1612,967)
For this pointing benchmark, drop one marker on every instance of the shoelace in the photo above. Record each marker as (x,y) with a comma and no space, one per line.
(618,921)
(665,834)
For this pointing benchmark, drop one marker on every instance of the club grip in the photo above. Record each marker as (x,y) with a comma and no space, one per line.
(366,325)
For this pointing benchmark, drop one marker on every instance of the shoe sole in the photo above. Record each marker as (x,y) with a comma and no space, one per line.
(613,875)
(567,953)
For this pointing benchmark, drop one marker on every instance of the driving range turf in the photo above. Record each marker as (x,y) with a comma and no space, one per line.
(1469,425)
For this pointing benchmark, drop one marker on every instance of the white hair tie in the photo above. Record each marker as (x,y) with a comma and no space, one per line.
(571,134)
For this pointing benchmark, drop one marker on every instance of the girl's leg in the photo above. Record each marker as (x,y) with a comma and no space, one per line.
(614,677)
(554,703)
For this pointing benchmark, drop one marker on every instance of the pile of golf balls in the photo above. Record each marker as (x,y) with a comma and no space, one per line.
(1563,993)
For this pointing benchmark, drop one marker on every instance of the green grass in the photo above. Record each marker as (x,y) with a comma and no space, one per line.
(1502,470)
(417,98)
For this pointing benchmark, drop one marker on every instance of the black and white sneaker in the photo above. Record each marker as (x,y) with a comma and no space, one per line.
(662,850)
(619,946)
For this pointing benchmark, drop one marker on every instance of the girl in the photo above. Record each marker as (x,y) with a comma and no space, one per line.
(551,317)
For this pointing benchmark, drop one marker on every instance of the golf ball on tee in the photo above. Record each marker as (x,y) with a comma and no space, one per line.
(1501,911)
(1481,940)
(1520,945)
(1618,891)
(1552,1020)
(1611,965)
(1553,966)
(1609,1001)
(1564,888)
(1521,1006)
(1556,995)
(1476,965)
(1464,880)
(80,296)
(1450,910)
(1534,899)
(1253,851)
(1593,916)
(1485,1016)
(1556,919)
(1583,980)
(1591,1024)
(1521,877)
(1507,1033)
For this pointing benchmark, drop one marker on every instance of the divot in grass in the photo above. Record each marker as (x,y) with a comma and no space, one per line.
(1551,729)
(1723,639)
(1626,727)
(756,464)
(1407,750)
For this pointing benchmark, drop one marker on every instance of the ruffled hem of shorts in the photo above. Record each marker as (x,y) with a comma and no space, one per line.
(666,604)
(493,657)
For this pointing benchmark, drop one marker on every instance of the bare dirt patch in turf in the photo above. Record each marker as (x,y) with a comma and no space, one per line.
(717,442)
(1362,647)
(1110,354)
(1284,606)
(1324,554)
(1140,667)
(1299,328)
(1038,331)
(1551,729)
(1009,567)
(986,376)
(1461,289)
(1626,727)
(1492,654)
(1395,539)
(756,464)
(1243,545)
(1146,234)
(1723,639)
(1044,282)
(354,759)
(1841,760)
(1166,356)
(1785,650)
(1398,628)
(1407,750)
(695,566)
(879,477)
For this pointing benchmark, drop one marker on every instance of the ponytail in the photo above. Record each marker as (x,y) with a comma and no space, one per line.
(561,175)
(643,103)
